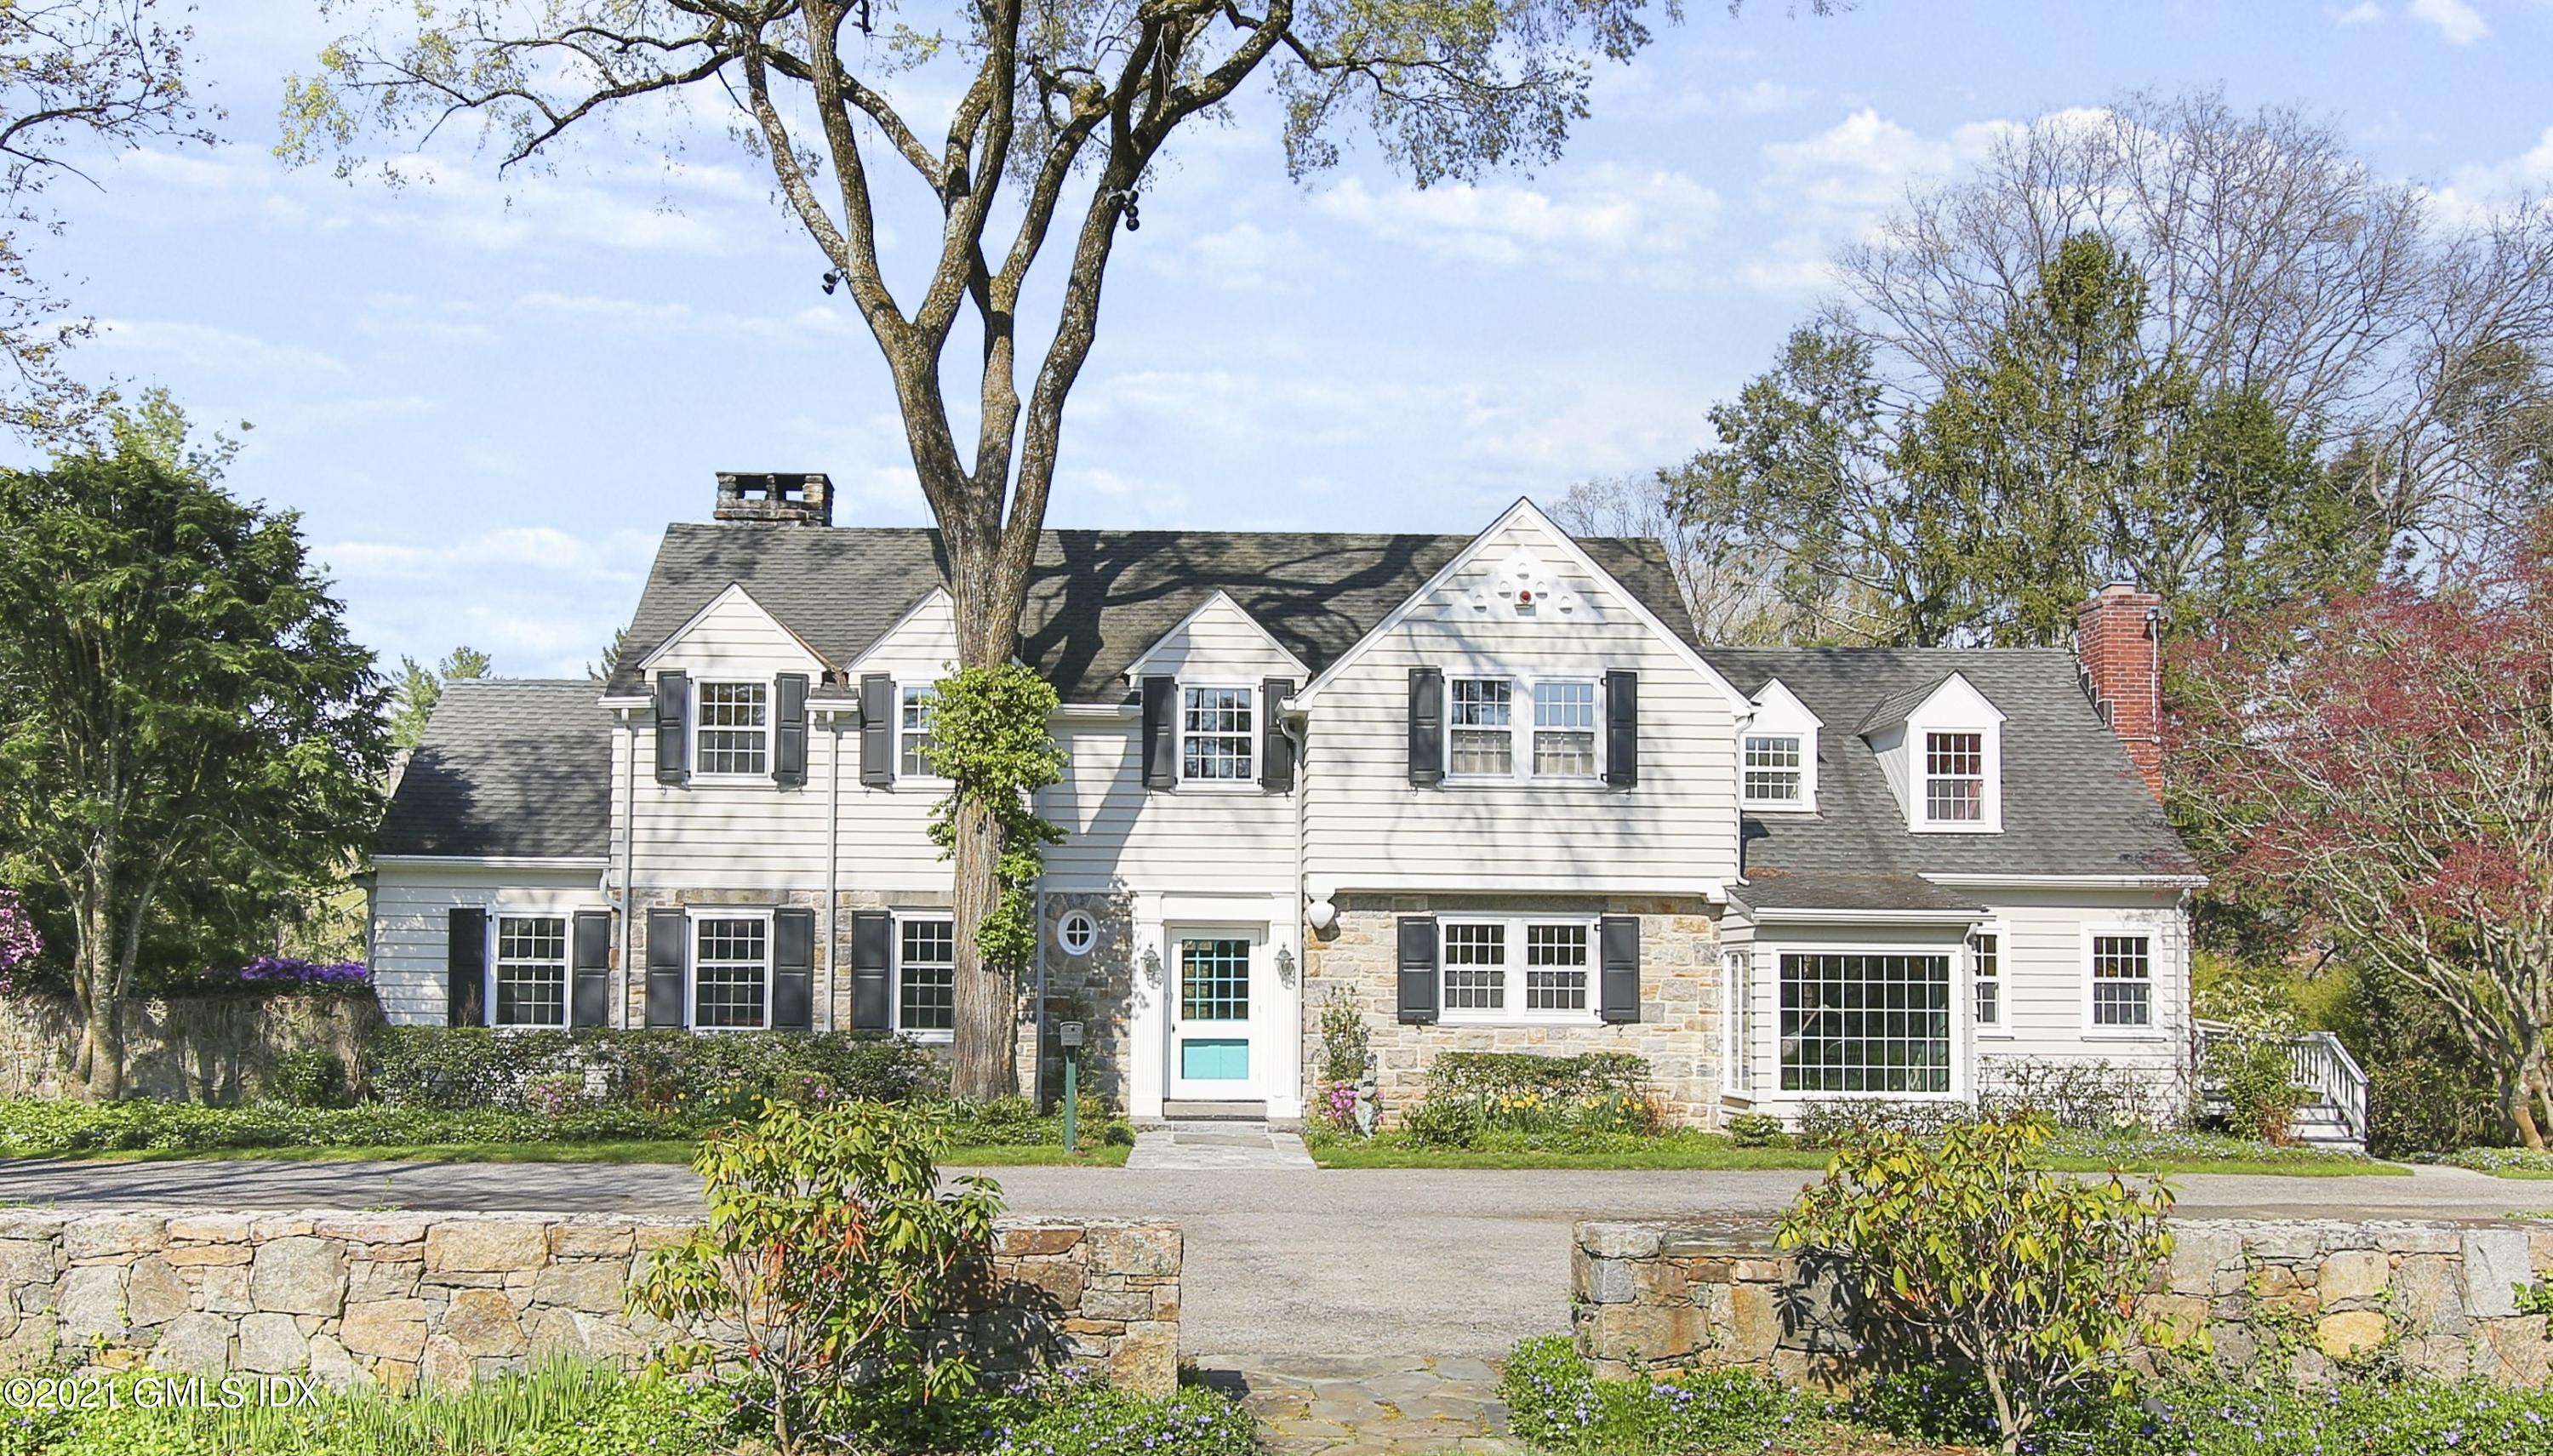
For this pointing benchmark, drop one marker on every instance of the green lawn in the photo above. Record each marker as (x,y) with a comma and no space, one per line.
(1712,1151)
(1003,1155)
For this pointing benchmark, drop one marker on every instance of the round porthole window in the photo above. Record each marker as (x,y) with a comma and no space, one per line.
(1076,933)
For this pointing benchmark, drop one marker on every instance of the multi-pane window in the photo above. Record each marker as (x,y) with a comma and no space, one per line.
(1215,734)
(913,735)
(1737,993)
(532,970)
(1214,980)
(1564,729)
(735,728)
(730,972)
(926,983)
(1986,961)
(1555,967)
(1772,768)
(1954,777)
(1475,967)
(1865,1023)
(2123,981)
(1481,726)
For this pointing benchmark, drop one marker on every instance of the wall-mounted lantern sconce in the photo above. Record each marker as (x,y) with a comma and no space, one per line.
(1286,968)
(1153,967)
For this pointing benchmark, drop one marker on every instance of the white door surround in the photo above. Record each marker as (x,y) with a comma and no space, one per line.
(1218,1004)
(1267,1065)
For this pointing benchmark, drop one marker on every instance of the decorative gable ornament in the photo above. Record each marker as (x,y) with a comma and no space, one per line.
(1522,586)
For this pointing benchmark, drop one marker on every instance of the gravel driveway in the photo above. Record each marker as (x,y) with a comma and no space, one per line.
(1350,1262)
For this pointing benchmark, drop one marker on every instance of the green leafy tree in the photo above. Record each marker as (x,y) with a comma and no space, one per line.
(2030,1278)
(830,1254)
(989,739)
(417,690)
(185,727)
(1063,110)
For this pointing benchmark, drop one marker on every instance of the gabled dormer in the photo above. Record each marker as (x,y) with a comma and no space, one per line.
(1777,754)
(1942,748)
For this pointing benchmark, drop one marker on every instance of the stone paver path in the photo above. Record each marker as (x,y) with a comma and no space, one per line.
(1366,1406)
(1186,1147)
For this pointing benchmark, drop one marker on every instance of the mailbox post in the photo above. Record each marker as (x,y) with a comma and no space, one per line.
(1070,1034)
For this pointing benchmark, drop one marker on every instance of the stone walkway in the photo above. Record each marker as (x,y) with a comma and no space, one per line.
(1363,1405)
(1190,1147)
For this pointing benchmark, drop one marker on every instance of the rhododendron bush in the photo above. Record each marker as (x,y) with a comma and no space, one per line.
(18,943)
(2381,765)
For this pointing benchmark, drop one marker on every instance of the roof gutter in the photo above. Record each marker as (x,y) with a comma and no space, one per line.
(2092,881)
(503,861)
(1807,915)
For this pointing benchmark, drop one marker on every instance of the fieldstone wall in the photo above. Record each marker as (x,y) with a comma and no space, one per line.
(2305,1296)
(391,1299)
(217,1050)
(1678,1030)
(1097,989)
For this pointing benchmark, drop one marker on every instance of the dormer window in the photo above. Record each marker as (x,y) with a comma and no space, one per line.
(1954,778)
(1777,753)
(1773,769)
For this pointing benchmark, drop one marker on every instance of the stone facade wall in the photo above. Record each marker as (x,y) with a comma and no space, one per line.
(1678,1030)
(394,1298)
(217,1050)
(2305,1295)
(1097,989)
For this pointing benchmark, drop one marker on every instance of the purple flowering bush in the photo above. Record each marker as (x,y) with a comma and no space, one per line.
(286,972)
(1090,1420)
(18,943)
(1555,1403)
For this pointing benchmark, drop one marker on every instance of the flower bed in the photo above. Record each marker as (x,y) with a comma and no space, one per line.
(2500,1161)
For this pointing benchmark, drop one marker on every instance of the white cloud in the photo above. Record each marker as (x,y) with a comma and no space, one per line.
(2457,21)
(541,600)
(1763,98)
(2476,189)
(1834,187)
(1606,219)
(194,346)
(810,324)
(2365,12)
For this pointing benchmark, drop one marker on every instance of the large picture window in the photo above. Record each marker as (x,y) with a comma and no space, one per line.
(1215,734)
(2122,982)
(925,975)
(530,970)
(734,733)
(730,973)
(1865,1023)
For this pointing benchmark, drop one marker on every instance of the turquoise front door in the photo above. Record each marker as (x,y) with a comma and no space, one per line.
(1213,1050)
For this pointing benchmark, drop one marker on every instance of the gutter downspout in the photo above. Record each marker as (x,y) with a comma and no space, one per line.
(1297,726)
(832,862)
(628,865)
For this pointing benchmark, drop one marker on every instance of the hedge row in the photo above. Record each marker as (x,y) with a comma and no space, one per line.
(547,1072)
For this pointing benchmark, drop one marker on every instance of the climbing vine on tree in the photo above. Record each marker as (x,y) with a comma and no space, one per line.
(990,740)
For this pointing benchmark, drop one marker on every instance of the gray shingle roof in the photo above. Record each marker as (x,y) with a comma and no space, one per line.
(510,767)
(2072,803)
(1822,890)
(1098,597)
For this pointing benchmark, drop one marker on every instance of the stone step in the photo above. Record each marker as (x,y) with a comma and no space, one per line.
(1176,1111)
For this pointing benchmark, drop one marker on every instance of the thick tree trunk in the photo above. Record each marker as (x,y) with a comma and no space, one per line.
(101,1056)
(983,1054)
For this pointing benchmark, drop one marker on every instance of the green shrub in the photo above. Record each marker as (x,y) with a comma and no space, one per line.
(658,1069)
(1347,1047)
(2429,1104)
(1962,1250)
(830,1254)
(1555,1403)
(1470,1093)
(1015,1120)
(1832,1122)
(44,1129)
(308,1076)
(1092,1420)
(2361,1417)
(1757,1130)
(2094,1096)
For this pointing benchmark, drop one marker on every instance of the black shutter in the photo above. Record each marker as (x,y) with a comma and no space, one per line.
(1621,727)
(1621,991)
(788,738)
(877,730)
(1276,750)
(591,992)
(1418,967)
(792,969)
(1426,726)
(673,741)
(666,932)
(464,966)
(871,932)
(1160,734)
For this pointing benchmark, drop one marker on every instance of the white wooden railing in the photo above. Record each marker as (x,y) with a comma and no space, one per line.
(2319,1064)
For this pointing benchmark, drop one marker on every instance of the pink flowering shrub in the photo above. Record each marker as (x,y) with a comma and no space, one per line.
(18,943)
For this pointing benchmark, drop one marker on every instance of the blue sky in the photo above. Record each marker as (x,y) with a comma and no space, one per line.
(486,396)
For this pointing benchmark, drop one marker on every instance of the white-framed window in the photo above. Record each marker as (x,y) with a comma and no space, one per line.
(1218,736)
(1954,777)
(925,975)
(1507,730)
(732,971)
(1078,933)
(1985,980)
(732,730)
(1865,1023)
(912,732)
(1737,1018)
(528,975)
(1773,776)
(2119,988)
(1539,967)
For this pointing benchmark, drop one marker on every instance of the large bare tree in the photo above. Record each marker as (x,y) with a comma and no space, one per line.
(78,79)
(1062,109)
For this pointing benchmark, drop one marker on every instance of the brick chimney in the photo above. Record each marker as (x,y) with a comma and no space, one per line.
(775,497)
(2118,649)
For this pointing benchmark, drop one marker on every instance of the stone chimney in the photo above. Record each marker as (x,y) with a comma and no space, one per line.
(775,497)
(2118,649)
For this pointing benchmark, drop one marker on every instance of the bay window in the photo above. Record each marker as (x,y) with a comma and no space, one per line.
(1865,1023)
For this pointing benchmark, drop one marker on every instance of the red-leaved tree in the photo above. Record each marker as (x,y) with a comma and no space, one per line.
(2381,766)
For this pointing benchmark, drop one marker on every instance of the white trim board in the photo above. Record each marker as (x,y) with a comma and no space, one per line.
(1135,669)
(656,653)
